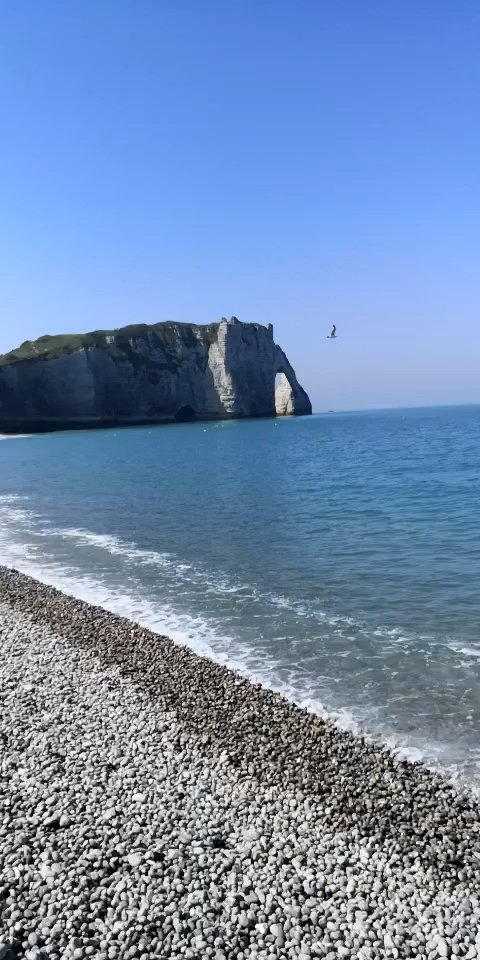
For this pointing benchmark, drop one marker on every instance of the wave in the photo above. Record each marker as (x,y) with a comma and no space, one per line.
(30,553)
(218,584)
(201,577)
(467,650)
(112,544)
(194,632)
(199,633)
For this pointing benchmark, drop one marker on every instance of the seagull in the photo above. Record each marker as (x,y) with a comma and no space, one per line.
(333,334)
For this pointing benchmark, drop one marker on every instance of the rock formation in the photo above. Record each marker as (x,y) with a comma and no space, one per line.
(143,374)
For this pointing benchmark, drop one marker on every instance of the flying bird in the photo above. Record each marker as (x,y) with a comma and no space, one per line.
(333,334)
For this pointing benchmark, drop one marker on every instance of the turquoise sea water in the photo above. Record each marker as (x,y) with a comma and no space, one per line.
(335,558)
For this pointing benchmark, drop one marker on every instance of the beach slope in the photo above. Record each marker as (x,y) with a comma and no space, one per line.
(157,804)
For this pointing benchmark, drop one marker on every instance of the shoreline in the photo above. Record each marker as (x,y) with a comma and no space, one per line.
(126,644)
(393,823)
(432,750)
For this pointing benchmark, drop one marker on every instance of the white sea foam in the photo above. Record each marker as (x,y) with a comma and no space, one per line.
(136,557)
(195,632)
(198,633)
(113,545)
(209,582)
(201,578)
(467,650)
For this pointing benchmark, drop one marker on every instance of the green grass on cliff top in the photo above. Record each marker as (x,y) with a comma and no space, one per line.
(48,347)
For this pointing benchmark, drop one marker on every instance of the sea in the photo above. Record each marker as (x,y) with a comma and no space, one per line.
(333,558)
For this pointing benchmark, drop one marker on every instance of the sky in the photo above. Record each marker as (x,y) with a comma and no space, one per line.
(297,163)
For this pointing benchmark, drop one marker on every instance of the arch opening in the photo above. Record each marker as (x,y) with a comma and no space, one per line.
(284,399)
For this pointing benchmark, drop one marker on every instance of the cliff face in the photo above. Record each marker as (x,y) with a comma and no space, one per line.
(168,371)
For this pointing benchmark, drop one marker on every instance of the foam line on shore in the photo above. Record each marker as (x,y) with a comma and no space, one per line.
(202,636)
(208,635)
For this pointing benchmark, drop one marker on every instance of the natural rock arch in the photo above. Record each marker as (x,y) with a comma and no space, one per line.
(140,374)
(290,399)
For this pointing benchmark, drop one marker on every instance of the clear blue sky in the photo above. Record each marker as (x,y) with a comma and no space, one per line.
(299,163)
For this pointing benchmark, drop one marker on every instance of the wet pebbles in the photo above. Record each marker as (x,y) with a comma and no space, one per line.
(157,804)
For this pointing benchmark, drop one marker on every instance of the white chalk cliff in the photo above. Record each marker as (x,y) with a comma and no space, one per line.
(142,374)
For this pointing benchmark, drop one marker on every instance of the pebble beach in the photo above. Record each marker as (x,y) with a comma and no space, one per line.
(157,804)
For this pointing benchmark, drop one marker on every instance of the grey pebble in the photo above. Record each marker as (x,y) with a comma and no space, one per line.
(183,811)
